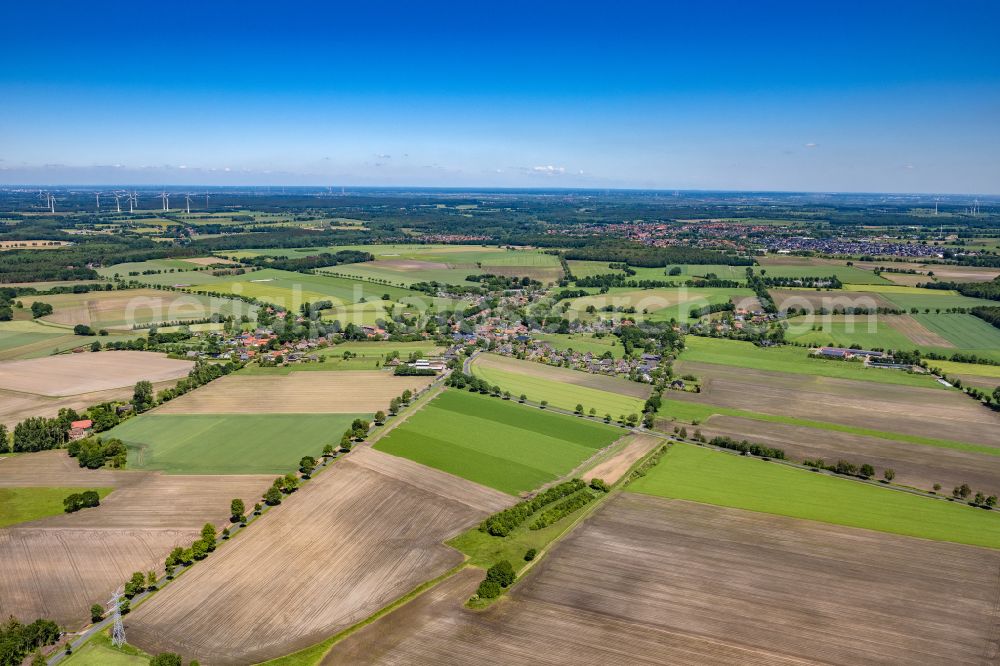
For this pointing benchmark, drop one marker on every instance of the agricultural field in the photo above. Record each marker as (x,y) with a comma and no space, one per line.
(983,376)
(794,360)
(23,339)
(349,392)
(963,331)
(123,270)
(915,465)
(43,386)
(124,309)
(562,387)
(362,534)
(685,583)
(630,450)
(364,356)
(238,443)
(830,299)
(77,559)
(583,343)
(71,374)
(926,412)
(496,443)
(869,331)
(654,304)
(722,478)
(800,267)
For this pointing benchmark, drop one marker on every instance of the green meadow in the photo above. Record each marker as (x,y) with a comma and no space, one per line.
(713,477)
(494,442)
(21,504)
(228,443)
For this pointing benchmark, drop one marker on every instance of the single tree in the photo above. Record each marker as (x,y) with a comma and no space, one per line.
(208,536)
(889,474)
(96,613)
(142,396)
(272,496)
(236,510)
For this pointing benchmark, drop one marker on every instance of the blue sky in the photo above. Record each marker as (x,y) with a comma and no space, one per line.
(847,96)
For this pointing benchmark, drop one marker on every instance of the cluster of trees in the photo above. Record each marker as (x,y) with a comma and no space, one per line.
(202,373)
(95,453)
(283,485)
(498,577)
(84,500)
(39,309)
(635,254)
(988,290)
(991,315)
(404,370)
(504,522)
(502,283)
(310,262)
(980,499)
(397,403)
(17,640)
(561,510)
(846,468)
(830,282)
(713,308)
(759,287)
(743,446)
(198,550)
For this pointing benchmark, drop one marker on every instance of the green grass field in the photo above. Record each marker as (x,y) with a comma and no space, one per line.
(839,331)
(979,370)
(19,505)
(560,394)
(712,477)
(583,343)
(496,443)
(931,299)
(965,331)
(790,359)
(228,443)
(654,304)
(368,356)
(99,651)
(844,273)
(123,270)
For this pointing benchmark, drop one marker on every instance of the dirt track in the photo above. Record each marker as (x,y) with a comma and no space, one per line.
(365,532)
(344,392)
(684,583)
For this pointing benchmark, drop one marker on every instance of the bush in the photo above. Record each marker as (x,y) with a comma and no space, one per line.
(489,589)
(600,484)
(502,572)
(503,523)
(84,500)
(166,659)
(530,555)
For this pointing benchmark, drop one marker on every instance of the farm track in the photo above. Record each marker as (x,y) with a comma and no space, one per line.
(684,583)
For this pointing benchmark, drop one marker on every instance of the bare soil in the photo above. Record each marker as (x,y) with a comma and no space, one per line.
(683,583)
(365,532)
(72,374)
(612,469)
(15,406)
(346,392)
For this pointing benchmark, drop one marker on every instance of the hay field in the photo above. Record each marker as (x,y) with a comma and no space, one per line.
(914,464)
(347,392)
(122,309)
(71,374)
(928,412)
(683,583)
(365,532)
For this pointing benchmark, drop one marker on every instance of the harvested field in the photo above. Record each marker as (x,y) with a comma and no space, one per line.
(72,374)
(56,468)
(915,465)
(896,408)
(364,533)
(811,299)
(684,583)
(347,392)
(917,332)
(15,406)
(408,265)
(612,469)
(58,566)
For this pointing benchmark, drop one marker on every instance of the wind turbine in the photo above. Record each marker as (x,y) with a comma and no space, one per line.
(187,200)
(131,201)
(97,195)
(118,201)
(166,200)
(52,203)
(206,201)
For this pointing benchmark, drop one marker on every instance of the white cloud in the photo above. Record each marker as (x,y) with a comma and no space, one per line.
(549,170)
(811,145)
